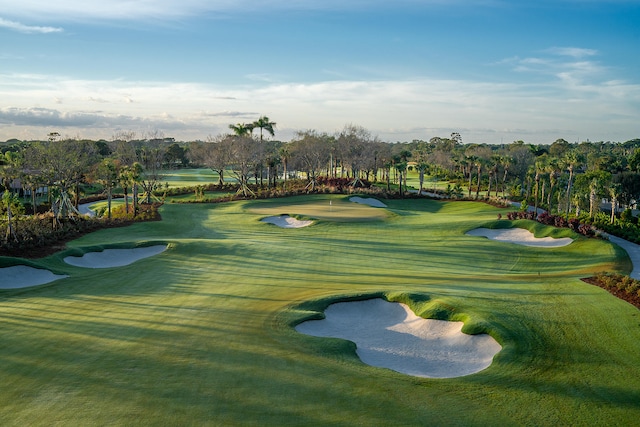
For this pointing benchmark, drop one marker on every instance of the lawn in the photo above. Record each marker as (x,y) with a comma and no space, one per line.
(202,334)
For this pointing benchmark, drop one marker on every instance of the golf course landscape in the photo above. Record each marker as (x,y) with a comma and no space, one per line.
(203,332)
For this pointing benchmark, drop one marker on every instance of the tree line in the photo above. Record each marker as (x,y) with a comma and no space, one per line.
(561,177)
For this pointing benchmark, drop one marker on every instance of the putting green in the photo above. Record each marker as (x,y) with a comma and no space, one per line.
(319,207)
(203,333)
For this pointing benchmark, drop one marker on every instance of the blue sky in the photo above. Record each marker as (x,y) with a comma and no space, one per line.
(493,70)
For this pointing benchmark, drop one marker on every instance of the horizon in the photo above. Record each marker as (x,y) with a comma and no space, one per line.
(494,71)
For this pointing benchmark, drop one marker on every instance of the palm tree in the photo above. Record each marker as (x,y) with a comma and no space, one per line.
(552,168)
(107,175)
(506,164)
(572,159)
(124,180)
(614,193)
(241,129)
(539,168)
(264,124)
(479,164)
(471,160)
(285,155)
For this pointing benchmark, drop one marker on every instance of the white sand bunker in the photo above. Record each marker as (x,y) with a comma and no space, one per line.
(368,201)
(114,257)
(23,276)
(286,221)
(390,335)
(519,236)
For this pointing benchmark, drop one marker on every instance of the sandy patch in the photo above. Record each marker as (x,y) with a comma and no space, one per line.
(520,236)
(368,201)
(23,276)
(286,221)
(114,257)
(390,335)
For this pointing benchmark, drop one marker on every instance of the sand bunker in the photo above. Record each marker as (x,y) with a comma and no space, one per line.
(114,257)
(23,276)
(368,201)
(390,335)
(519,236)
(286,221)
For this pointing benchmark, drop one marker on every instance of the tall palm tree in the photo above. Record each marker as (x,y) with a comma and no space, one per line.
(479,163)
(264,124)
(614,194)
(285,155)
(572,160)
(506,164)
(552,168)
(471,160)
(539,168)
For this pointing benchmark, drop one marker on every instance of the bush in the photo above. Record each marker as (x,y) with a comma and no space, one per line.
(36,236)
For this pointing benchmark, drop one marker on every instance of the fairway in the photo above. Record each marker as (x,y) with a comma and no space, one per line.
(203,332)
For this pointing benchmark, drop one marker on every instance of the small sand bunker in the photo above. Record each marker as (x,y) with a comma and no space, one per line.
(286,221)
(114,257)
(23,276)
(390,335)
(520,236)
(368,201)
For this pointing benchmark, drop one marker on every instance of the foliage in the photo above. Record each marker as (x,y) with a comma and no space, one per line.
(623,287)
(36,236)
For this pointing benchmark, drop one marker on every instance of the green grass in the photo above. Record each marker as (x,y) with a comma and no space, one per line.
(202,333)
(189,177)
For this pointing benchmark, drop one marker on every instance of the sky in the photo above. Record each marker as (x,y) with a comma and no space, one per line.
(495,71)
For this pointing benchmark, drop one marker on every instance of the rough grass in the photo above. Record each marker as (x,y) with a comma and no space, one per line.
(202,333)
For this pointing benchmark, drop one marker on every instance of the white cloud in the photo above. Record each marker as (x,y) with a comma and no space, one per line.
(394,110)
(17,26)
(574,52)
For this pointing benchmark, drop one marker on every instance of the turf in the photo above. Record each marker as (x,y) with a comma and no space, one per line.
(202,333)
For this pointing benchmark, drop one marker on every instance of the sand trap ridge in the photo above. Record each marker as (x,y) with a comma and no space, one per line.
(114,257)
(390,335)
(23,276)
(519,236)
(368,201)
(286,221)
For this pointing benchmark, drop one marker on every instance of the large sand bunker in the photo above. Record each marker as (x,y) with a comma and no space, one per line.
(114,257)
(390,335)
(286,221)
(368,201)
(519,236)
(23,276)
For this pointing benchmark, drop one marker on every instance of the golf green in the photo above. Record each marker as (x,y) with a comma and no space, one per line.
(203,333)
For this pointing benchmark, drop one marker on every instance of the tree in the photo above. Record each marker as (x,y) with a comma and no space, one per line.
(125,179)
(353,145)
(285,155)
(614,192)
(107,173)
(553,169)
(241,129)
(63,164)
(539,167)
(265,125)
(310,152)
(175,154)
(214,154)
(243,158)
(572,160)
(10,204)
